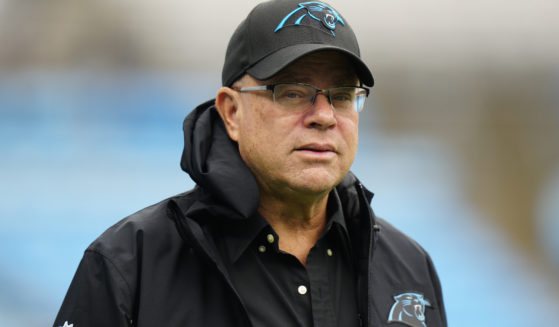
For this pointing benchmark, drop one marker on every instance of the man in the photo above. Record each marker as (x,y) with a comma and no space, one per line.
(277,232)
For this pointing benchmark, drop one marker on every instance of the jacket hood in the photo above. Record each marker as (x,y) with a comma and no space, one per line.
(213,161)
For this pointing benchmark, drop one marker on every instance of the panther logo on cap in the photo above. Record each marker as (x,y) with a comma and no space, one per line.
(409,309)
(316,11)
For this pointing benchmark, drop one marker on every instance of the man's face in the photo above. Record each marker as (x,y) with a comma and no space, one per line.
(299,153)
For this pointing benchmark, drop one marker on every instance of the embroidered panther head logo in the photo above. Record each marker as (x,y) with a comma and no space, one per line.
(409,309)
(313,11)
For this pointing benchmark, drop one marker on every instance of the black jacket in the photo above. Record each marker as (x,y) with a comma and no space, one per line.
(160,266)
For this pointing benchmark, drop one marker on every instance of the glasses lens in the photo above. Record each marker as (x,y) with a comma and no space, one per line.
(293,96)
(360,96)
(343,98)
(348,98)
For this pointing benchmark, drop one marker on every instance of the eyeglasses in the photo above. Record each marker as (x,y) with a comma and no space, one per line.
(300,96)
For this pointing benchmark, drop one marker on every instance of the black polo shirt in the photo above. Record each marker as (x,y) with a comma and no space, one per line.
(277,290)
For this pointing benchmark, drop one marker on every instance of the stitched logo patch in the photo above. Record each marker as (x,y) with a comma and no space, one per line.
(409,309)
(314,14)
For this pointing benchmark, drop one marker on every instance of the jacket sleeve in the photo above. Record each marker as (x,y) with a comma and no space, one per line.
(438,290)
(98,296)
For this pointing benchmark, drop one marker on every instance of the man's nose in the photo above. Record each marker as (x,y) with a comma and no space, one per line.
(321,113)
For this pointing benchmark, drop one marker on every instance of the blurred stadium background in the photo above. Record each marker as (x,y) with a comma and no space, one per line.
(460,140)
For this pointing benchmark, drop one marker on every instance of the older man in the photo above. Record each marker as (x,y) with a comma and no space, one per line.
(277,232)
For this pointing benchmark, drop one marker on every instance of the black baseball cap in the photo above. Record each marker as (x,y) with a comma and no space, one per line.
(278,32)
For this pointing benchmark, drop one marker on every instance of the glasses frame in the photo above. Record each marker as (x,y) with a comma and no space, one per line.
(326,92)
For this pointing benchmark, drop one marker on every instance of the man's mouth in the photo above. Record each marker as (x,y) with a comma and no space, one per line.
(418,312)
(316,148)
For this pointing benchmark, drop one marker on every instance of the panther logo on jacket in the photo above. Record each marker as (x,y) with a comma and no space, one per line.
(409,309)
(312,14)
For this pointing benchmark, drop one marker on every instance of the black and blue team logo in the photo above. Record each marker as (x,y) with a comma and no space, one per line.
(409,309)
(312,14)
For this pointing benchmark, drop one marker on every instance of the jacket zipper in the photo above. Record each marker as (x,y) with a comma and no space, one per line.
(192,239)
(369,236)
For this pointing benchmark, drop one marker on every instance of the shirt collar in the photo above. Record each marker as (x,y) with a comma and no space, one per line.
(240,234)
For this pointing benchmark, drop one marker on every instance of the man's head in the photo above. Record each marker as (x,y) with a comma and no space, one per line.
(296,139)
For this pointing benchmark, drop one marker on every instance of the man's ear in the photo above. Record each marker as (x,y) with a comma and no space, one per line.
(227,103)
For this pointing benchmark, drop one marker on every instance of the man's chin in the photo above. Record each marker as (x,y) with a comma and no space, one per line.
(317,184)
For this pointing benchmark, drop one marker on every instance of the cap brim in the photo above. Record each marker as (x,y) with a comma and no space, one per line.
(275,62)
